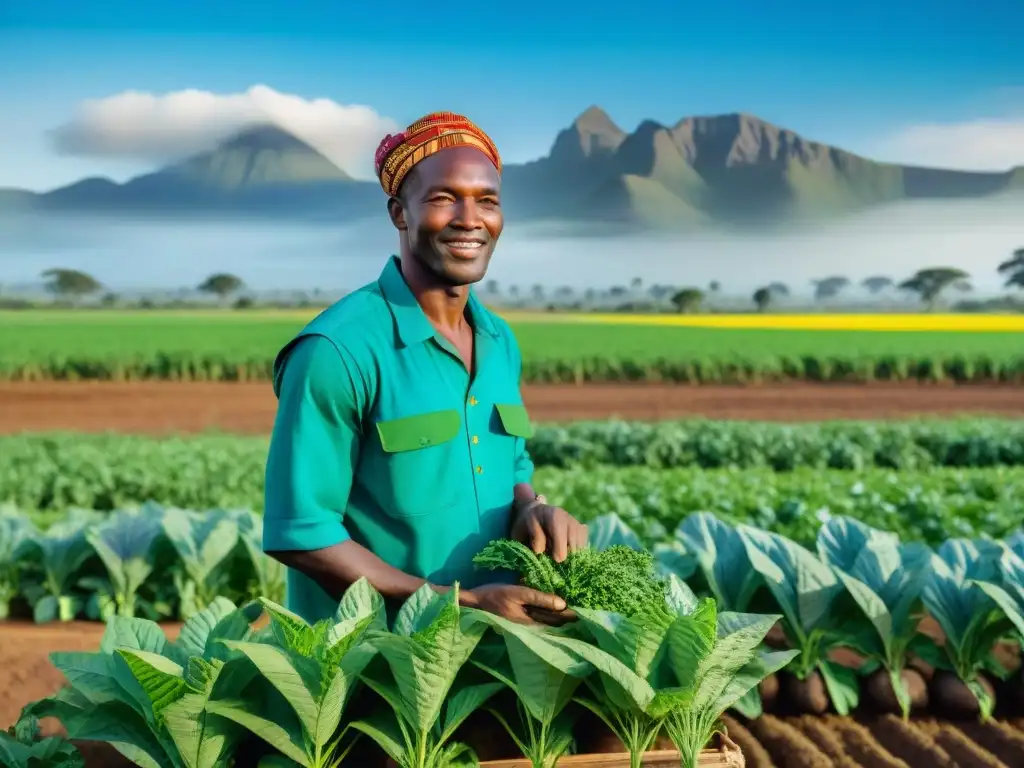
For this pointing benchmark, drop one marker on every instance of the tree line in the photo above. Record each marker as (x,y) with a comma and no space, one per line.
(927,284)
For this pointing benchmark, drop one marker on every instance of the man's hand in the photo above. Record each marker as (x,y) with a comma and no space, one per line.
(519,604)
(544,528)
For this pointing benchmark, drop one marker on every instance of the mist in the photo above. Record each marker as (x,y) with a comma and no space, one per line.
(140,254)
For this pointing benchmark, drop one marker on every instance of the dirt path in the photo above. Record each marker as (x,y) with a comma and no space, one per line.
(158,407)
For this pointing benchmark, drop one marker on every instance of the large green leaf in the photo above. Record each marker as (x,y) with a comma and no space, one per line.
(610,530)
(722,558)
(195,634)
(950,595)
(841,540)
(803,586)
(287,743)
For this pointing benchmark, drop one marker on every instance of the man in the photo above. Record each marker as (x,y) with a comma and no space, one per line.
(398,450)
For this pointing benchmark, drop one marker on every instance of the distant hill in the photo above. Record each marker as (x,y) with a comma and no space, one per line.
(726,169)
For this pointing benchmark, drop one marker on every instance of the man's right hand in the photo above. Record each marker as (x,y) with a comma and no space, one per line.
(520,604)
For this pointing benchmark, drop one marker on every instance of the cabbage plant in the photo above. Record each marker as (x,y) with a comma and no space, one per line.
(203,543)
(124,542)
(59,554)
(970,619)
(885,579)
(150,698)
(805,590)
(421,657)
(314,670)
(1009,593)
(15,532)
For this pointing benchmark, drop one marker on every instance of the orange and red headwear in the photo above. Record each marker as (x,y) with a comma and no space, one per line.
(397,154)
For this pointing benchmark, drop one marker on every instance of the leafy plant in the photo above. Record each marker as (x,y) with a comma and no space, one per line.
(971,621)
(203,543)
(269,573)
(886,579)
(712,661)
(59,553)
(151,699)
(314,670)
(15,531)
(805,589)
(1009,594)
(721,558)
(431,641)
(124,542)
(544,669)
(21,747)
(615,579)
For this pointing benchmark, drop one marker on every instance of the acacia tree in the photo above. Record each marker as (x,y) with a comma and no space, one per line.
(70,282)
(876,283)
(762,298)
(929,283)
(829,287)
(221,284)
(688,299)
(1013,270)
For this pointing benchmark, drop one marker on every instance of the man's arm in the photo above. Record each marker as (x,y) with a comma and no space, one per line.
(313,454)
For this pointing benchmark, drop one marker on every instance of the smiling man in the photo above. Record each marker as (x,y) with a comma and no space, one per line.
(399,448)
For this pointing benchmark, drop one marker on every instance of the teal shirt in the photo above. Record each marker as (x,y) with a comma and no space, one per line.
(383,437)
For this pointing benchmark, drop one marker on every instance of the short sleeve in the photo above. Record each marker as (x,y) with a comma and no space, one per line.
(314,447)
(523,469)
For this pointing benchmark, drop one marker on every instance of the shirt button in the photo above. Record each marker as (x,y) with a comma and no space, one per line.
(476,440)
(479,469)
(472,400)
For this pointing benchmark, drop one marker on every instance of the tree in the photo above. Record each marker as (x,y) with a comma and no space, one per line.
(491,287)
(714,286)
(876,283)
(70,282)
(221,284)
(636,284)
(1014,270)
(829,287)
(537,291)
(762,298)
(688,299)
(929,283)
(778,289)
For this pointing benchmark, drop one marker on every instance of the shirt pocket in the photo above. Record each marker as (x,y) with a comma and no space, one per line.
(422,469)
(514,420)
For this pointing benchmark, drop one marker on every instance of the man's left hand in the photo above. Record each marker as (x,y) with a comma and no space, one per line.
(545,528)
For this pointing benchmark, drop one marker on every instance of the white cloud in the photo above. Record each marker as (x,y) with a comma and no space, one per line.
(150,127)
(995,144)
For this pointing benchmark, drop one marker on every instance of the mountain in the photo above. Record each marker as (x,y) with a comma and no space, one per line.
(733,169)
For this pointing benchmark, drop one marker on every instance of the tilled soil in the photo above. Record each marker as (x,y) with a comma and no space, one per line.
(156,407)
(768,742)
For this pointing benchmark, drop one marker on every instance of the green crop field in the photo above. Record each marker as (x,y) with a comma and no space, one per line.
(241,345)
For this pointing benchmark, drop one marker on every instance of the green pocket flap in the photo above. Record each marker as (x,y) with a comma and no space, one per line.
(421,431)
(515,420)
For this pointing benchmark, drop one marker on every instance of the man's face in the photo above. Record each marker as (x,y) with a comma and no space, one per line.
(450,209)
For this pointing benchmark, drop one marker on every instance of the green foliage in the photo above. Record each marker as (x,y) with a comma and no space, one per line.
(221,284)
(70,282)
(21,747)
(234,346)
(618,578)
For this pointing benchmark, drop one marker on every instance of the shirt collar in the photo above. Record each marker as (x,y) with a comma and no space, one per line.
(410,321)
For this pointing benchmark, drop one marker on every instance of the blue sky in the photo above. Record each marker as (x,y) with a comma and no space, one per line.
(936,82)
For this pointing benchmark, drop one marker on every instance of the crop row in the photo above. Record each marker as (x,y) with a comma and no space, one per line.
(680,369)
(667,664)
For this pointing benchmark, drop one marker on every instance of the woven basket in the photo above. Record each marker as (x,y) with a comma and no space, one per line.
(727,755)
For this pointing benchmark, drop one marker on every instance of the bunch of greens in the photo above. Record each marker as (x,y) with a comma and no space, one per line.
(21,747)
(885,579)
(617,579)
(15,531)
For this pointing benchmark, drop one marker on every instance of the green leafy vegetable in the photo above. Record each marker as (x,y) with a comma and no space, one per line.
(805,589)
(124,542)
(420,660)
(885,579)
(203,543)
(15,532)
(59,554)
(971,621)
(151,699)
(314,669)
(618,579)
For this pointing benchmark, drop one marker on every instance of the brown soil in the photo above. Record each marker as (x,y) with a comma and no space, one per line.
(163,406)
